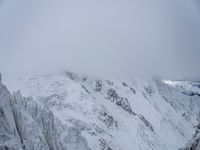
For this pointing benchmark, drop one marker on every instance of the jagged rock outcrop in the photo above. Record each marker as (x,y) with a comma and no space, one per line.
(9,136)
(26,124)
(120,101)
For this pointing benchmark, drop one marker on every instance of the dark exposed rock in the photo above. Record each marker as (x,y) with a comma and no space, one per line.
(108,120)
(146,122)
(191,93)
(71,75)
(110,82)
(119,101)
(124,84)
(149,90)
(112,95)
(98,85)
(104,145)
(132,90)
(85,89)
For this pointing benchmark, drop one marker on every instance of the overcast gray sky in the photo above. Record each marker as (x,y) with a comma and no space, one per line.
(101,36)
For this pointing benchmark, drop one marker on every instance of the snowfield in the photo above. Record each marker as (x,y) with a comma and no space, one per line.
(76,112)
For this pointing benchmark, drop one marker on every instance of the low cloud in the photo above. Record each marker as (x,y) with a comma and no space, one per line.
(101,37)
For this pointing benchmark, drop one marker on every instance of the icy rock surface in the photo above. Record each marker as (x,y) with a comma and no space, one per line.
(26,124)
(99,114)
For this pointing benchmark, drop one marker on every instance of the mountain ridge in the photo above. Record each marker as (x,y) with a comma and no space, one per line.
(115,114)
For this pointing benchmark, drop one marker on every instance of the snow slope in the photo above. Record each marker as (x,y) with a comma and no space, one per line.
(140,114)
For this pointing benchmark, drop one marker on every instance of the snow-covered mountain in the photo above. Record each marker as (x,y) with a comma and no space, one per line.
(75,112)
(26,125)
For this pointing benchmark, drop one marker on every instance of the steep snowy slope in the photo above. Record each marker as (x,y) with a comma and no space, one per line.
(26,124)
(192,90)
(115,114)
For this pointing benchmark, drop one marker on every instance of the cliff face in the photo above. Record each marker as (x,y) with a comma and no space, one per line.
(26,124)
(9,137)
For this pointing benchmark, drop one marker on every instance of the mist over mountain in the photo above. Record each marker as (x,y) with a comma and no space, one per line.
(105,37)
(99,75)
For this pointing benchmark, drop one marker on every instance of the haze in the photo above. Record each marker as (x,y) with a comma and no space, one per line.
(104,37)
